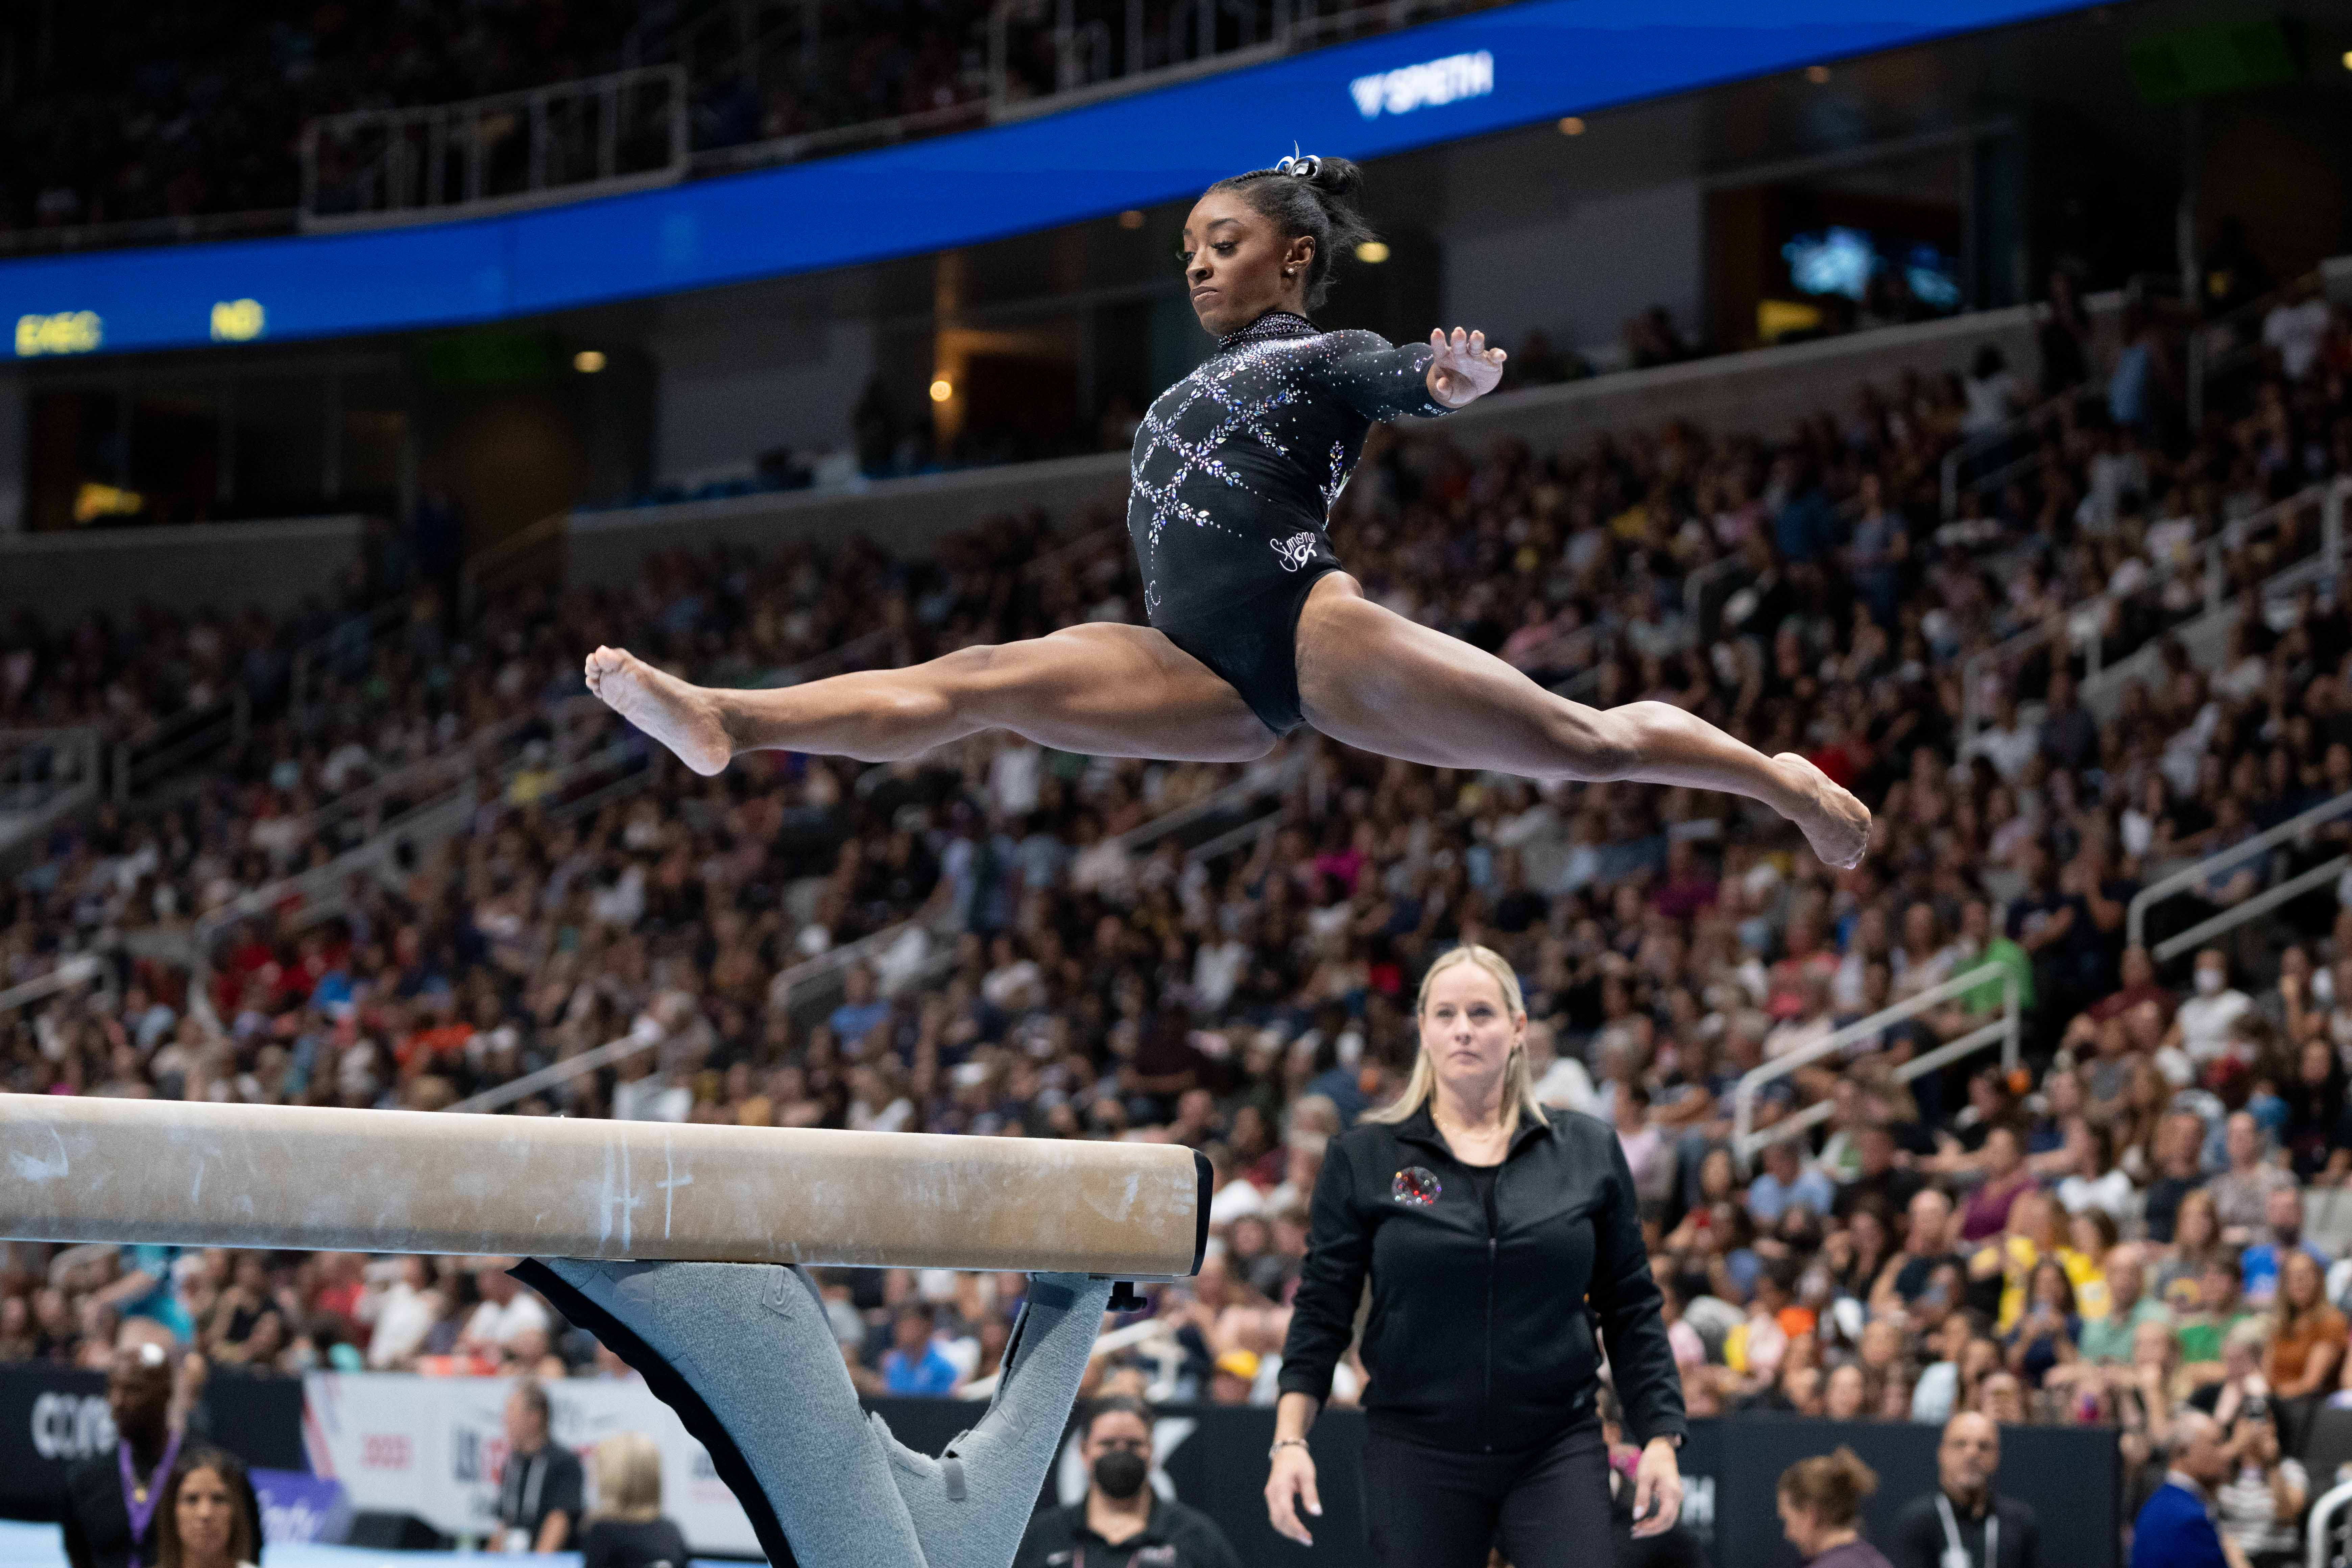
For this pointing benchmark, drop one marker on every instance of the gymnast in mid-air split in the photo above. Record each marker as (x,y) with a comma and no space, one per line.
(1255,628)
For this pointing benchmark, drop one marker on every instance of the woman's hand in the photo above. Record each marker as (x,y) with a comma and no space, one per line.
(1291,1484)
(1463,370)
(1658,1489)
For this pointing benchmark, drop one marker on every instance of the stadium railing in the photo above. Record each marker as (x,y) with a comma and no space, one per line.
(595,137)
(2083,621)
(906,952)
(612,1053)
(2004,1029)
(157,754)
(70,973)
(46,775)
(2260,844)
(2207,636)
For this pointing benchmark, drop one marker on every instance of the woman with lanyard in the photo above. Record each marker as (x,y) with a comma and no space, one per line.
(1964,1523)
(1503,1243)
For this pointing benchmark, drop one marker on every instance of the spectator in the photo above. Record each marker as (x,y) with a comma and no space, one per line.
(1786,1183)
(2243,1194)
(915,1364)
(540,1491)
(1821,1511)
(2283,1236)
(114,1498)
(2176,1528)
(211,1518)
(2261,1497)
(1122,1517)
(2200,1026)
(1965,1518)
(627,1530)
(509,1320)
(2107,1339)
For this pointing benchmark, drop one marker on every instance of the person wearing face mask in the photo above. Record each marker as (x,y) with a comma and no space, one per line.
(2201,1027)
(1122,1522)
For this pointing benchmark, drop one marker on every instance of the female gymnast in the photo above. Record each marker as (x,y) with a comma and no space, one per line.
(1254,628)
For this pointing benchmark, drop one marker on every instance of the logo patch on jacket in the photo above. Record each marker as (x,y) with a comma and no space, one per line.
(1416,1185)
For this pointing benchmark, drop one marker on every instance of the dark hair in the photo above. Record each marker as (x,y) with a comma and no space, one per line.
(1320,205)
(245,1532)
(1830,1487)
(532,1394)
(1114,1403)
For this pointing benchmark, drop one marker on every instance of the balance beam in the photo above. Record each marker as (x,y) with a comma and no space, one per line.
(202,1174)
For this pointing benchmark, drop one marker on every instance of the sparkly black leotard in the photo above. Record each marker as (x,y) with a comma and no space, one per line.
(1236,469)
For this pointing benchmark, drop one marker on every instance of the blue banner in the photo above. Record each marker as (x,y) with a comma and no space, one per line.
(1515,66)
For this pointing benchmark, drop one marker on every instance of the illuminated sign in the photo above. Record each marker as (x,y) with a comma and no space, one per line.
(62,333)
(1524,64)
(238,320)
(1408,87)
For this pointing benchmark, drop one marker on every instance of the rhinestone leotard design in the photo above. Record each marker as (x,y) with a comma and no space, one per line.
(1236,469)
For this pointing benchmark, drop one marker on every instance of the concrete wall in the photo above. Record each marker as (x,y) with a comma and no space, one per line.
(1578,274)
(741,371)
(1765,391)
(221,565)
(907,516)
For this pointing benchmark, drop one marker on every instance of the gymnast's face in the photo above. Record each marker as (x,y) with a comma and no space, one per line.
(1233,262)
(1468,1028)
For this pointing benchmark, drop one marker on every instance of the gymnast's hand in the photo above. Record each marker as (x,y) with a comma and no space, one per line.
(1462,370)
(1658,1489)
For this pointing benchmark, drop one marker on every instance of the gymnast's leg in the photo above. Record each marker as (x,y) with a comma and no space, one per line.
(1370,678)
(1103,689)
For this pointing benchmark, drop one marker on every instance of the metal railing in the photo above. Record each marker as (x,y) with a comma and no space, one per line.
(68,974)
(46,775)
(2084,622)
(155,753)
(635,1043)
(2157,892)
(1747,1138)
(929,933)
(2331,1503)
(454,776)
(595,137)
(1989,458)
(535,553)
(1088,49)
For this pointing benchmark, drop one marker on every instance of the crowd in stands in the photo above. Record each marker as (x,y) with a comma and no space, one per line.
(119,112)
(2121,1226)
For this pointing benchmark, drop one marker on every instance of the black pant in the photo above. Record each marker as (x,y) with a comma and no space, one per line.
(1546,1506)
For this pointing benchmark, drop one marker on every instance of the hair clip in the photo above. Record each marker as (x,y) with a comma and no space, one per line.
(1305,168)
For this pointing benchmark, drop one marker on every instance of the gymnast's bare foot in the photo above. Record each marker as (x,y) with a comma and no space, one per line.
(679,716)
(1834,822)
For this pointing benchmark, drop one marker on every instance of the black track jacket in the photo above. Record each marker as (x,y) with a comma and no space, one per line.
(1482,1337)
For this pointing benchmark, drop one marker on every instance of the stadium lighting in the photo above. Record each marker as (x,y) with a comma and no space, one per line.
(1131,218)
(942,389)
(2347,59)
(1372,250)
(588,362)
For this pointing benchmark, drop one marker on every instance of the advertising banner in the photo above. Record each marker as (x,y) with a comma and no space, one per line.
(437,1446)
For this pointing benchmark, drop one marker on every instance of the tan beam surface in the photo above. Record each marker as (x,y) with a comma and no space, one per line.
(78,1169)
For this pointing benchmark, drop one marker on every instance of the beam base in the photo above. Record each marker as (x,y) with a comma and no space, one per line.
(745,1355)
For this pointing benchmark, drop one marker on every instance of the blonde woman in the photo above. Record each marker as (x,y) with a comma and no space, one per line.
(1495,1235)
(625,1528)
